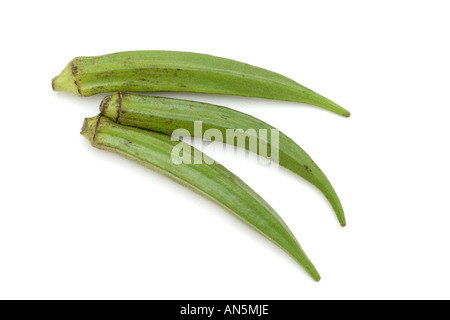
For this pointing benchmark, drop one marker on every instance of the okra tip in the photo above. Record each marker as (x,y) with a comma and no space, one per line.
(111,105)
(341,216)
(338,109)
(308,266)
(316,277)
(66,81)
(89,128)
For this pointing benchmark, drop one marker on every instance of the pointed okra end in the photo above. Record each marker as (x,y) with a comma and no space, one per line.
(341,111)
(337,207)
(318,100)
(89,128)
(335,202)
(317,278)
(333,107)
(304,261)
(111,105)
(342,221)
(66,81)
(314,274)
(345,113)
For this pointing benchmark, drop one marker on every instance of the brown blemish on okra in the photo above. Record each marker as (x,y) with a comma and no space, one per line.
(119,112)
(84,128)
(111,106)
(74,71)
(104,104)
(96,128)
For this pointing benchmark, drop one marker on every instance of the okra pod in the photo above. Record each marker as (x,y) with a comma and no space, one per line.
(213,181)
(152,71)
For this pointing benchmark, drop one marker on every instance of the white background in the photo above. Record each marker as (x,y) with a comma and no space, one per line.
(80,223)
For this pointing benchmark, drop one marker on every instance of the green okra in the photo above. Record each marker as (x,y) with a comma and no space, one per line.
(152,71)
(213,181)
(165,115)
